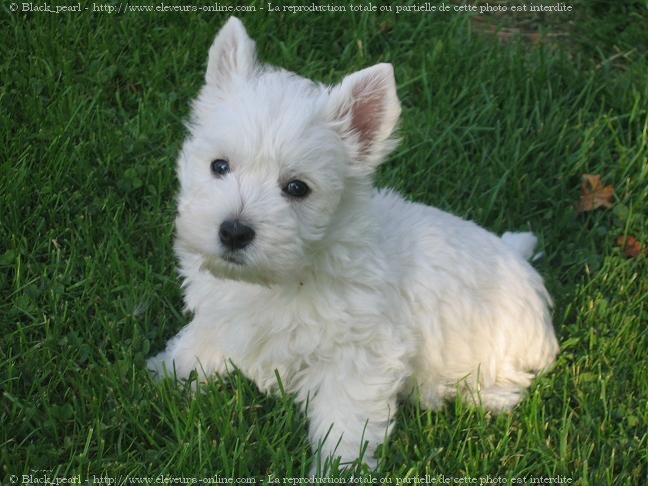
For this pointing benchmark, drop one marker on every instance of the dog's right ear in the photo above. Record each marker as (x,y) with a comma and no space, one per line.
(232,54)
(364,108)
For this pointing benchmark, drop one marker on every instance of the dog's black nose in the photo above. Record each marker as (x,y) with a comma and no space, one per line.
(235,235)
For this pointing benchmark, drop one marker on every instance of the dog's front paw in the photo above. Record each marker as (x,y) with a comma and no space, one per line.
(324,468)
(160,365)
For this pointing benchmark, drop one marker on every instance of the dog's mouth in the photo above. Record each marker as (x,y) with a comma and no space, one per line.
(233,258)
(233,266)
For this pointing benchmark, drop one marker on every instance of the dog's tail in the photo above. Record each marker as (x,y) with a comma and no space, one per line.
(521,243)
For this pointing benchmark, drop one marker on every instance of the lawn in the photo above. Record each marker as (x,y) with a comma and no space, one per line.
(498,128)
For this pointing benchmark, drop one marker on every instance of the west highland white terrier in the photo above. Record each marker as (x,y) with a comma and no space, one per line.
(293,263)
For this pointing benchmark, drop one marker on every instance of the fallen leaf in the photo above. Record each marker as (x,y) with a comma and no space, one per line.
(385,26)
(630,246)
(593,194)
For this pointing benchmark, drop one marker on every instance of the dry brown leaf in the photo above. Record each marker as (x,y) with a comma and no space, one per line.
(385,26)
(593,194)
(630,246)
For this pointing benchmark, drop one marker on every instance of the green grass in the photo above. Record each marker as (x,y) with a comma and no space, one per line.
(91,111)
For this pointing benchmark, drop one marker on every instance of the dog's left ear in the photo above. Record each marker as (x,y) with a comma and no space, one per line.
(364,108)
(232,53)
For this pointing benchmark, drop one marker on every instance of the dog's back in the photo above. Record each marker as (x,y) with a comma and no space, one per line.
(481,310)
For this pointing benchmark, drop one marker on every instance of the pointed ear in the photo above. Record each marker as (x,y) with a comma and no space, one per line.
(364,108)
(232,53)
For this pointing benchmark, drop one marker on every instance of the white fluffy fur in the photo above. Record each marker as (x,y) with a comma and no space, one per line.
(352,294)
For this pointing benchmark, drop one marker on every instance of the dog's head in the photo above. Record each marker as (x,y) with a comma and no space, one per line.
(270,156)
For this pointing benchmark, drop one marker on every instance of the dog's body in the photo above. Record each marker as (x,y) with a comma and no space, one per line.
(352,295)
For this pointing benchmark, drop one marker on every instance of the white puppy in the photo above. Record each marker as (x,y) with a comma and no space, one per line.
(293,263)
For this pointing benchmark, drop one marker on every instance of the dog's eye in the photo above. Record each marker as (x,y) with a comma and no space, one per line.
(296,188)
(220,167)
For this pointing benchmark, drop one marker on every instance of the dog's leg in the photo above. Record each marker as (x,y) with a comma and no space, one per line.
(194,348)
(348,412)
